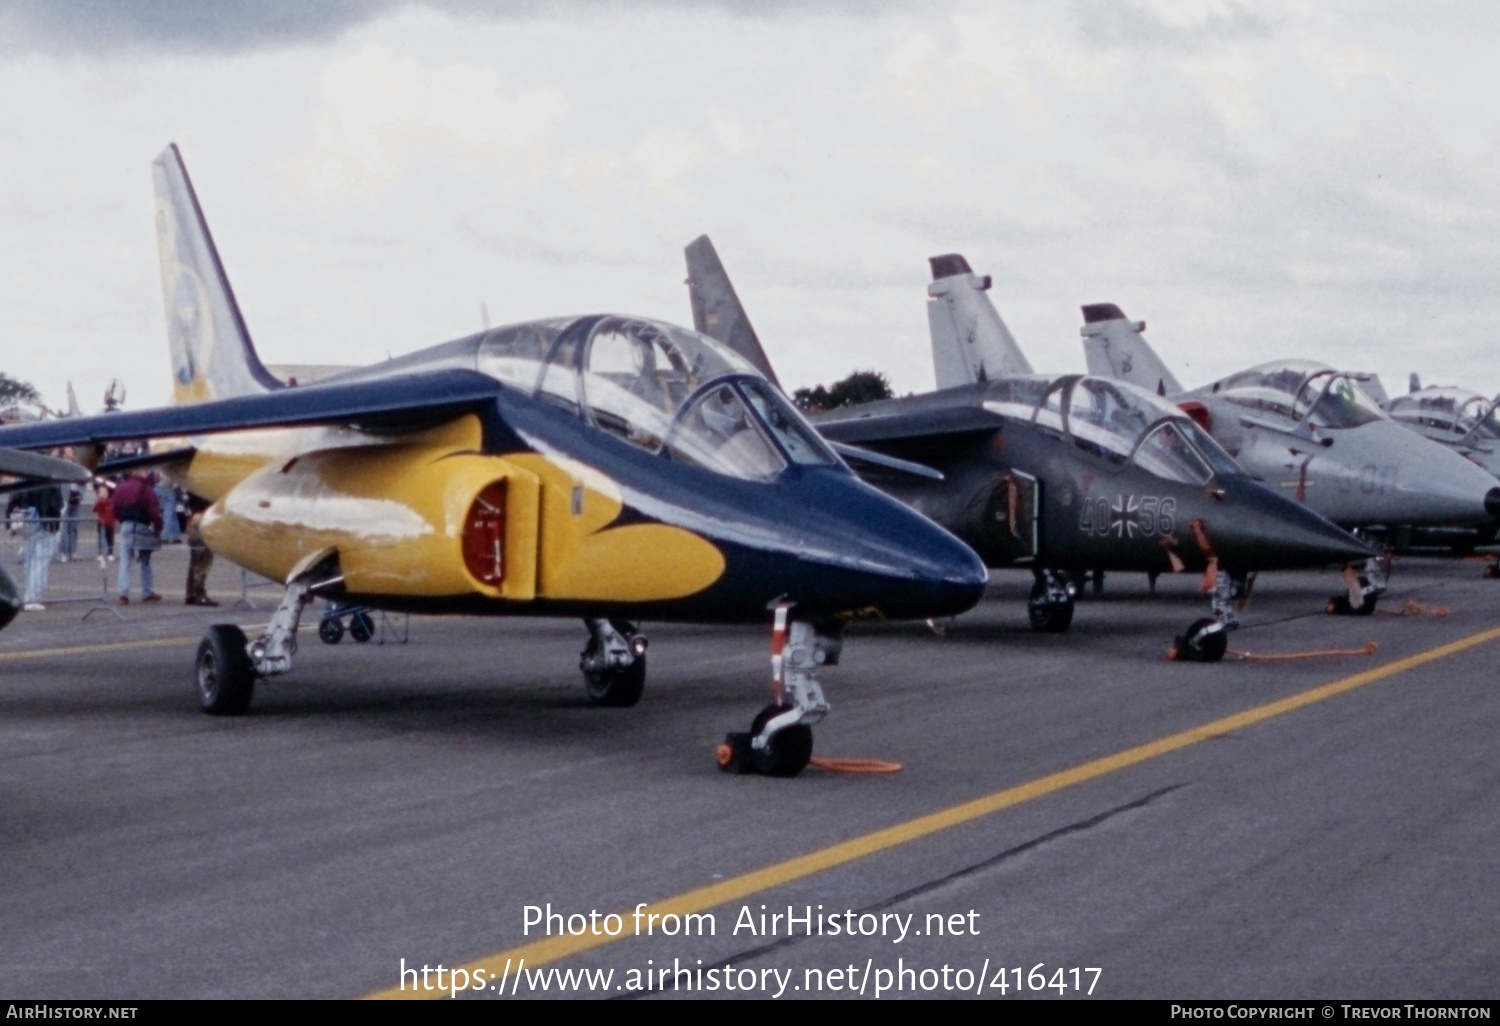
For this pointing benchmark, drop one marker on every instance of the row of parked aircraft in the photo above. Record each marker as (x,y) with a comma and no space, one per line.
(620,469)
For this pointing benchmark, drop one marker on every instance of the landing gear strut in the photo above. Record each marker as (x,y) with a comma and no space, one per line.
(613,663)
(1207,640)
(228,666)
(1051,603)
(779,742)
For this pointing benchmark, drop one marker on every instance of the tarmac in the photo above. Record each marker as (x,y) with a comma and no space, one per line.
(1072,810)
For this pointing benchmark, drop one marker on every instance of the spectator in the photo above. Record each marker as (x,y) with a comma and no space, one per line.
(200,558)
(106,522)
(40,510)
(139,516)
(72,509)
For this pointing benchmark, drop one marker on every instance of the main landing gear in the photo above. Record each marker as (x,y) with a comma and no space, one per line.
(779,742)
(1206,640)
(228,665)
(1051,603)
(613,663)
(1364,587)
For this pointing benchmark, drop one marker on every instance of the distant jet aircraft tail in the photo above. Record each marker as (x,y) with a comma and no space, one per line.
(717,312)
(969,340)
(1115,348)
(212,355)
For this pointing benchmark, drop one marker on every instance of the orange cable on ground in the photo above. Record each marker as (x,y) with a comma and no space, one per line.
(1415,608)
(1370,648)
(855,765)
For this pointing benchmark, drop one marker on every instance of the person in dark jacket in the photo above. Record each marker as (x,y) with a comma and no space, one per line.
(139,516)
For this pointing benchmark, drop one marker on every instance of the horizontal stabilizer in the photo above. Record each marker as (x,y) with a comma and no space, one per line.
(1115,347)
(383,403)
(970,342)
(890,464)
(717,312)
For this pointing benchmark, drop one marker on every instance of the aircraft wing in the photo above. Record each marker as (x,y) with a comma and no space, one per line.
(893,421)
(34,468)
(393,403)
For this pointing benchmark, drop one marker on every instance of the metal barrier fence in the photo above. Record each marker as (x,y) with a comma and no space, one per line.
(34,551)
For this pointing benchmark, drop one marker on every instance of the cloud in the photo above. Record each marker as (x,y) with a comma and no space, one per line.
(109,27)
(1167,24)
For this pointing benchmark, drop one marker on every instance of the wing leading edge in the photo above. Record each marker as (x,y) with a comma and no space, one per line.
(390,403)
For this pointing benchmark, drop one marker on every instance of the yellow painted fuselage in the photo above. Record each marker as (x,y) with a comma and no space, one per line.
(402,514)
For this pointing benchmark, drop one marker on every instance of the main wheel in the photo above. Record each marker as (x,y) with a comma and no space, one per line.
(1049,617)
(361,627)
(330,631)
(225,676)
(1340,605)
(789,751)
(1201,645)
(617,687)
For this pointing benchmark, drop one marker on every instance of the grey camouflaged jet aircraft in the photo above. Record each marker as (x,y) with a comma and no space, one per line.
(1055,474)
(1313,432)
(1464,421)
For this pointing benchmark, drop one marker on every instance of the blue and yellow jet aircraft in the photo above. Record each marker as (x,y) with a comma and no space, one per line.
(607,467)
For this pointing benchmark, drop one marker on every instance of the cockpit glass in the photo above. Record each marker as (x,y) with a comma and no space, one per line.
(1049,413)
(1016,397)
(799,441)
(1431,411)
(1106,420)
(1477,411)
(719,433)
(1222,463)
(515,354)
(637,373)
(1166,453)
(1332,400)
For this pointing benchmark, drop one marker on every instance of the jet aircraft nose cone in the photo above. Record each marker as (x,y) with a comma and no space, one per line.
(867,553)
(1275,532)
(1492,502)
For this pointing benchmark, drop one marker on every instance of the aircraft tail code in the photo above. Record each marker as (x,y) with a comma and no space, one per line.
(1115,347)
(969,340)
(212,355)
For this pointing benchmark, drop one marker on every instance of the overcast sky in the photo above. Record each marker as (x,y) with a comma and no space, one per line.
(1253,180)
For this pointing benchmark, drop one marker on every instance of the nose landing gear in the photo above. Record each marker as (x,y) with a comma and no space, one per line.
(613,663)
(779,742)
(1050,605)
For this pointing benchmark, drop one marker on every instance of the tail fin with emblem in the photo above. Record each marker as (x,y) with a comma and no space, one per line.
(969,340)
(1116,348)
(212,355)
(717,311)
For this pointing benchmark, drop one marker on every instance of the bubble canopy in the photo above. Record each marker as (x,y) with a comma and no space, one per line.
(1302,389)
(661,388)
(1454,410)
(1116,422)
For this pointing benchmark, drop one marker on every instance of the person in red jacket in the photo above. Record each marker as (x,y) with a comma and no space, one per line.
(138,513)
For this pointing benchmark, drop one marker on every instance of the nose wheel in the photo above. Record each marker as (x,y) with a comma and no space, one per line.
(779,742)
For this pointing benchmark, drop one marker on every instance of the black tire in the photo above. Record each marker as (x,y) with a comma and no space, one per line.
(1199,645)
(617,688)
(1340,605)
(789,751)
(361,627)
(224,675)
(330,631)
(1048,617)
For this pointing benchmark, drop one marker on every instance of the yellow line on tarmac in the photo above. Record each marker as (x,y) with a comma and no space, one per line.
(551,949)
(112,646)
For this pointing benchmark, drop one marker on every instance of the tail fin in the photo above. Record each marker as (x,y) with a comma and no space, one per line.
(73,410)
(717,312)
(1115,348)
(969,340)
(212,356)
